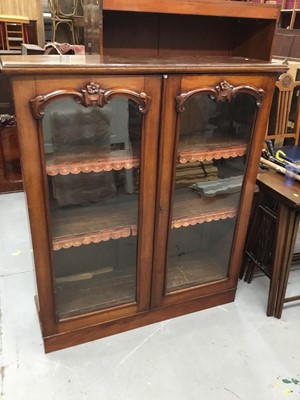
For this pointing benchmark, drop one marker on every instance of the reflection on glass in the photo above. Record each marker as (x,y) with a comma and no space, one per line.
(211,159)
(92,164)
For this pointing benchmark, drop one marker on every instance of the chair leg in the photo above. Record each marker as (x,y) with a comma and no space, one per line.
(71,25)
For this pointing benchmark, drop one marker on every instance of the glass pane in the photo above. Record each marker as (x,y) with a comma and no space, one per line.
(211,159)
(92,164)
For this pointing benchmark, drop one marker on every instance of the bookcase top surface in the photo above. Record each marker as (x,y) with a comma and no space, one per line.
(82,64)
(221,8)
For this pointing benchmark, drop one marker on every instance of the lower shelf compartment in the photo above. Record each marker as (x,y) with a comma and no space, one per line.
(199,254)
(95,277)
(186,274)
(99,291)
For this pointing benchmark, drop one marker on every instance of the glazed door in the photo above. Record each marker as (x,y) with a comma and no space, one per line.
(98,146)
(213,126)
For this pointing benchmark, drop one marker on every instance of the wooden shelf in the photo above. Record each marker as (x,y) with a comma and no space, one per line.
(106,160)
(76,226)
(90,161)
(191,209)
(193,151)
(82,225)
(104,291)
(185,273)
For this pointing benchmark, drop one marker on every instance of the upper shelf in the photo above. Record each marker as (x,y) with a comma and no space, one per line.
(202,27)
(208,152)
(105,160)
(91,161)
(196,7)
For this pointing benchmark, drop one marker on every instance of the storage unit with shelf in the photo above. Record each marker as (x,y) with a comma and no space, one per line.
(197,27)
(289,13)
(139,174)
(13,32)
(127,236)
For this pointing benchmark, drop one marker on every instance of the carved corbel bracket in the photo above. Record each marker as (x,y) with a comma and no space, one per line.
(222,92)
(91,95)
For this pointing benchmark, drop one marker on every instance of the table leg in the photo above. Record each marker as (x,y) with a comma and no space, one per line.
(286,264)
(283,233)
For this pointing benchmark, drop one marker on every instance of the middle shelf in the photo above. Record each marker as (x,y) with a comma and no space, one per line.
(82,225)
(91,160)
(98,160)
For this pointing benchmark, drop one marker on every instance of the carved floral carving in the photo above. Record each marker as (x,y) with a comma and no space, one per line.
(92,94)
(224,91)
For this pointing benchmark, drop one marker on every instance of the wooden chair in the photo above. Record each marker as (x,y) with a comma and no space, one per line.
(284,121)
(62,13)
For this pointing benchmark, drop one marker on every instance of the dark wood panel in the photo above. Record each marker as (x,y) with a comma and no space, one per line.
(282,44)
(151,34)
(195,35)
(249,36)
(295,48)
(129,34)
(31,32)
(10,166)
(6,98)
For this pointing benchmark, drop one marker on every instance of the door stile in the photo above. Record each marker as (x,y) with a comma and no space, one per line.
(166,160)
(149,171)
(36,199)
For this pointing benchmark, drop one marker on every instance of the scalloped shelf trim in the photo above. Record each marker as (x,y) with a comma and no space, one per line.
(211,154)
(97,237)
(200,219)
(123,232)
(53,168)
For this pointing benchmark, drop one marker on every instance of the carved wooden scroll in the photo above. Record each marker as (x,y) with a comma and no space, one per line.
(222,92)
(91,95)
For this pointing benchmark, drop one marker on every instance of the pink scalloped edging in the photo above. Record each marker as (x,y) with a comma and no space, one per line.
(203,218)
(208,155)
(97,166)
(98,237)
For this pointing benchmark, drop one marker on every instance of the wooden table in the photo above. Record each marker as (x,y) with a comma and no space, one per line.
(271,184)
